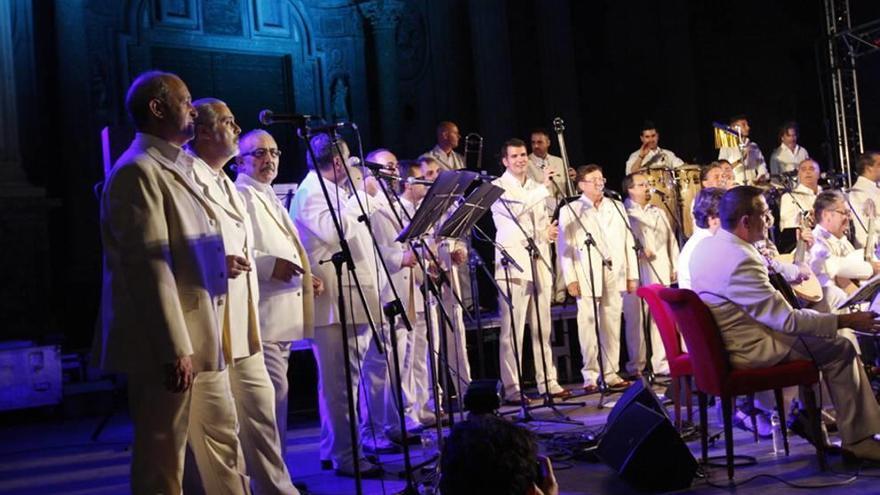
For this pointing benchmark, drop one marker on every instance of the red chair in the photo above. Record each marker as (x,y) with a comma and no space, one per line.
(680,368)
(714,376)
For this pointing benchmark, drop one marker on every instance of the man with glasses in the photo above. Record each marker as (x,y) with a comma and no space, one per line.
(657,265)
(287,287)
(519,212)
(730,276)
(610,270)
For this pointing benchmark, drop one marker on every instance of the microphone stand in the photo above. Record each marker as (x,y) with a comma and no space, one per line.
(394,307)
(534,256)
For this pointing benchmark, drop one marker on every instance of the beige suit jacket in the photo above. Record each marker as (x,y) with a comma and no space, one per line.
(757,325)
(164,264)
(286,308)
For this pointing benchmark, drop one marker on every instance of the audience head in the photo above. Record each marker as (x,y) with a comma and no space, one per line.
(487,455)
(258,156)
(159,104)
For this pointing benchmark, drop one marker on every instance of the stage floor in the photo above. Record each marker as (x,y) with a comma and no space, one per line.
(40,454)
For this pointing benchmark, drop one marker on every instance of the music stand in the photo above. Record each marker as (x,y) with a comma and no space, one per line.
(864,294)
(439,198)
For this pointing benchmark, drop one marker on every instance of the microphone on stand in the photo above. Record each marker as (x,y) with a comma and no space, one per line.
(483,176)
(378,169)
(658,192)
(418,182)
(609,193)
(268,117)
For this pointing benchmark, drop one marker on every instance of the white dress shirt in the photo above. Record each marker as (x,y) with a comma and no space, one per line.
(657,156)
(792,204)
(785,159)
(862,191)
(755,165)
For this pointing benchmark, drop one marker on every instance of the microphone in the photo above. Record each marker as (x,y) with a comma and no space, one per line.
(378,169)
(609,193)
(322,129)
(418,182)
(831,175)
(268,117)
(483,176)
(656,191)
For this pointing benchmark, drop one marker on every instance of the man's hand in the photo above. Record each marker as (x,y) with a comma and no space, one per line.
(371,185)
(179,375)
(553,231)
(236,265)
(409,259)
(317,285)
(548,179)
(804,272)
(647,254)
(574,289)
(285,270)
(876,266)
(864,321)
(572,173)
(632,286)
(548,485)
(459,256)
(806,235)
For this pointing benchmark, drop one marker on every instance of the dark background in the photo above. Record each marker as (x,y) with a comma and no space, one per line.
(498,68)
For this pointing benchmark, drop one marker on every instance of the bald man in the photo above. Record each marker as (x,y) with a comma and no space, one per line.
(448,138)
(165,282)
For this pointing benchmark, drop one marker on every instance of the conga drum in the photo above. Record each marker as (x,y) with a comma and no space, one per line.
(689,186)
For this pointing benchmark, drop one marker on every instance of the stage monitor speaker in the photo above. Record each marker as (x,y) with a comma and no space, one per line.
(641,444)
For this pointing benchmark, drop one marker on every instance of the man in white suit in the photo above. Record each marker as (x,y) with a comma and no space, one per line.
(759,328)
(165,284)
(523,205)
(657,265)
(749,165)
(320,239)
(864,197)
(614,271)
(287,286)
(214,145)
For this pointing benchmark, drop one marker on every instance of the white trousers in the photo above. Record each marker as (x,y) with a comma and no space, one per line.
(164,421)
(416,379)
(521,295)
(258,430)
(635,338)
(379,405)
(277,358)
(609,303)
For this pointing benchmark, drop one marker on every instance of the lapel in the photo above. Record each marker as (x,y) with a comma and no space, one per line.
(202,178)
(181,175)
(273,211)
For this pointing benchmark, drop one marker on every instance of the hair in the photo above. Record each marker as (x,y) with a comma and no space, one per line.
(647,126)
(325,151)
(511,143)
(865,160)
(706,205)
(736,118)
(629,181)
(426,160)
(818,167)
(151,85)
(825,201)
(540,130)
(405,169)
(585,170)
(736,203)
(704,170)
(786,126)
(371,156)
(487,455)
(244,138)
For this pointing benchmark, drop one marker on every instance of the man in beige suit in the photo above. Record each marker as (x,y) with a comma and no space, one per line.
(287,286)
(165,278)
(759,328)
(214,145)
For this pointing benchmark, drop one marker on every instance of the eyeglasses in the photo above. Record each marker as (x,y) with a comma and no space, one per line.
(845,213)
(261,152)
(597,181)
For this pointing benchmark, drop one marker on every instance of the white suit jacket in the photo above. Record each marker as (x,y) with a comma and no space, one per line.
(528,205)
(757,325)
(286,308)
(314,223)
(612,238)
(164,264)
(687,251)
(862,191)
(406,281)
(652,226)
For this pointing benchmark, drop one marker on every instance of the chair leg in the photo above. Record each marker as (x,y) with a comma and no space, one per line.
(753,413)
(676,400)
(727,410)
(815,417)
(780,409)
(704,426)
(688,400)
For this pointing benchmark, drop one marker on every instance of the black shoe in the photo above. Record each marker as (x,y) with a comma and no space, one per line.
(800,426)
(326,465)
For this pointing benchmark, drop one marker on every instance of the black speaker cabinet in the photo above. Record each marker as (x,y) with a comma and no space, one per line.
(641,444)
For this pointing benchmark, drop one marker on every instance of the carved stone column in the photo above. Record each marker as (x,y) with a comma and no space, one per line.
(383,17)
(10,158)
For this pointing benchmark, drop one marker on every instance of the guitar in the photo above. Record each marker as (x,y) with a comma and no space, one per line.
(809,289)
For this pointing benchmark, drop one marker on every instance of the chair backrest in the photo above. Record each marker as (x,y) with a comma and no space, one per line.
(703,339)
(663,318)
